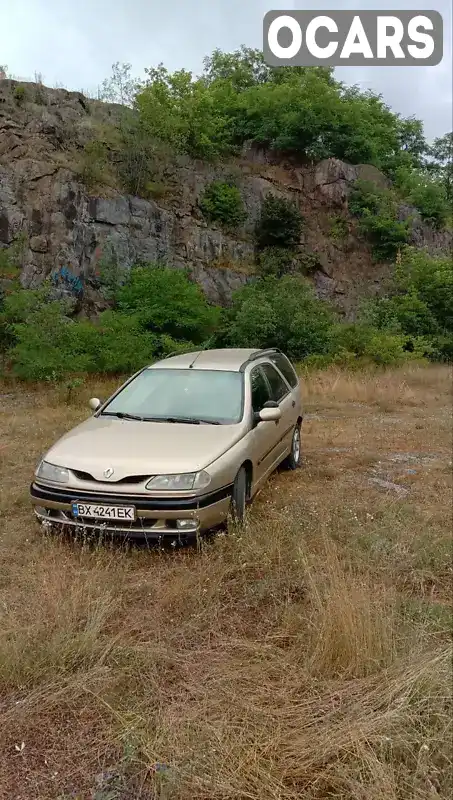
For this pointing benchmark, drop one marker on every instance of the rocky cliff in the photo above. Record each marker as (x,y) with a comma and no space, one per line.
(67,229)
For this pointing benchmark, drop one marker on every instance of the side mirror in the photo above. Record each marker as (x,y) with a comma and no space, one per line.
(270,414)
(95,403)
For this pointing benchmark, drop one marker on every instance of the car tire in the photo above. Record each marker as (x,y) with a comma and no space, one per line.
(293,460)
(239,497)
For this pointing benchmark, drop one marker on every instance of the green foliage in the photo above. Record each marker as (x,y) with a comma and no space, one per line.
(275,261)
(94,164)
(239,98)
(183,112)
(425,193)
(19,94)
(377,210)
(140,160)
(367,344)
(339,228)
(420,303)
(222,202)
(280,224)
(109,272)
(167,302)
(121,87)
(440,164)
(158,311)
(279,312)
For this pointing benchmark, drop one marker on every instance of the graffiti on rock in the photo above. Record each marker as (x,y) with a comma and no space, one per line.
(65,277)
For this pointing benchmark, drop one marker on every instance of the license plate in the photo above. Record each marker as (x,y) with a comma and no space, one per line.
(124,513)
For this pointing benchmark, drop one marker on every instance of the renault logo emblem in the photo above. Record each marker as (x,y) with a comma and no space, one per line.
(108,472)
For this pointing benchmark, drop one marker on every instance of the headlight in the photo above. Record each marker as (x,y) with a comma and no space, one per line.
(178,483)
(52,473)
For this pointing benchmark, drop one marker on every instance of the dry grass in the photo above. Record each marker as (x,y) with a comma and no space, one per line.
(308,656)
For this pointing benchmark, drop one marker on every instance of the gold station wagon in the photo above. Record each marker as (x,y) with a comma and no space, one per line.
(179,447)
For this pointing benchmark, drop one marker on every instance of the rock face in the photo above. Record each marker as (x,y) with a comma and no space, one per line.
(69,232)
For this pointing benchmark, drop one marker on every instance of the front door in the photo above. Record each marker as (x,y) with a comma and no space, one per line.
(281,393)
(264,436)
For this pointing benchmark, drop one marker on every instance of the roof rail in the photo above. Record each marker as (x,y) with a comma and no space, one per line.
(259,354)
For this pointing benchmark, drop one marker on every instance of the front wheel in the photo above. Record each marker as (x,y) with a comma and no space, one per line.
(292,461)
(239,497)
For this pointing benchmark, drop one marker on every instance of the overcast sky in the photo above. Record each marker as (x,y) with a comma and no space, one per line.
(74,43)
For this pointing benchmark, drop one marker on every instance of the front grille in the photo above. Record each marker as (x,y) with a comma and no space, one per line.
(85,476)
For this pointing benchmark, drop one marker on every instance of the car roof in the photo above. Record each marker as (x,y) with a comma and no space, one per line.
(226,359)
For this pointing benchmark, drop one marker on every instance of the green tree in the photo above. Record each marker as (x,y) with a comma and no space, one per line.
(166,301)
(377,210)
(279,312)
(121,87)
(279,225)
(441,165)
(222,202)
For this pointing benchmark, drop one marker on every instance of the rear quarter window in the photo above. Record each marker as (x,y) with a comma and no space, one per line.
(284,365)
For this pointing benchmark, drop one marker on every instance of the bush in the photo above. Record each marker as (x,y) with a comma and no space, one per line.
(282,313)
(94,164)
(280,224)
(275,261)
(222,202)
(166,301)
(158,311)
(19,94)
(377,210)
(426,194)
(420,302)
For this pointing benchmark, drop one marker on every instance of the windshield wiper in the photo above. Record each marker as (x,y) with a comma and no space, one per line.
(182,420)
(122,415)
(188,420)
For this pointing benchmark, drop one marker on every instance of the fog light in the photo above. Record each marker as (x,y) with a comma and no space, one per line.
(186,524)
(43,512)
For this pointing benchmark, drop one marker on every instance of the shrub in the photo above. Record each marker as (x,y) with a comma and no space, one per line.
(338,228)
(427,195)
(280,224)
(222,202)
(19,94)
(275,261)
(377,210)
(420,302)
(94,164)
(140,160)
(281,313)
(166,301)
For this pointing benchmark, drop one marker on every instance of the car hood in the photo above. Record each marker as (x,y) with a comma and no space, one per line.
(141,448)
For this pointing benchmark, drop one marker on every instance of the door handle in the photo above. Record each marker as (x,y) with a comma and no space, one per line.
(293,403)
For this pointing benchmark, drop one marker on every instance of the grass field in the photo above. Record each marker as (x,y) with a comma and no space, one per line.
(307,657)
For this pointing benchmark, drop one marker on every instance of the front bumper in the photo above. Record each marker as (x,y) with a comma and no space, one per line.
(156,516)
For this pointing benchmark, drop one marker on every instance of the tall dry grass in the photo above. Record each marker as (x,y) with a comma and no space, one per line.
(306,656)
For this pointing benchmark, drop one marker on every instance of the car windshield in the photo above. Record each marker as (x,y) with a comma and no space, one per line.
(181,395)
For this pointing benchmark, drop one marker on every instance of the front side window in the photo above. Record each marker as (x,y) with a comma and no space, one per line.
(260,390)
(211,396)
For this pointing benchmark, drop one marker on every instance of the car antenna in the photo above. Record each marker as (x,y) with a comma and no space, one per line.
(205,347)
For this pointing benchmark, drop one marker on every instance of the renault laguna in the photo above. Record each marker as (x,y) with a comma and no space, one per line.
(181,447)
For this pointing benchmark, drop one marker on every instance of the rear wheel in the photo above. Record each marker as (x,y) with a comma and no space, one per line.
(292,461)
(239,497)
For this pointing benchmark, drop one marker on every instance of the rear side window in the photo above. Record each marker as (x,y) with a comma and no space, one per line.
(278,386)
(260,390)
(286,368)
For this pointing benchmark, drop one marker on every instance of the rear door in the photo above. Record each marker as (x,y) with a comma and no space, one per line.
(282,394)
